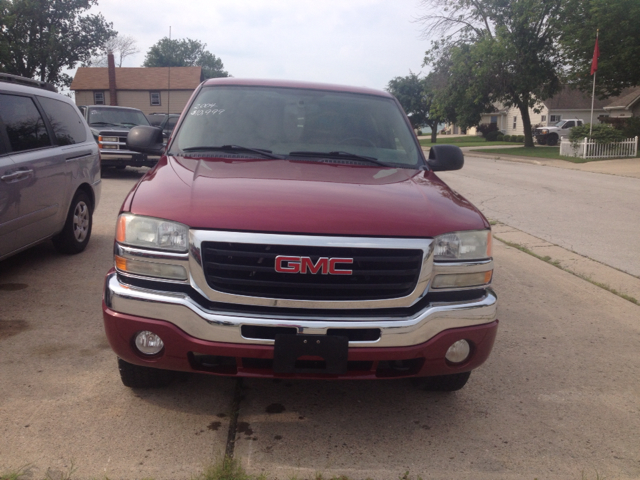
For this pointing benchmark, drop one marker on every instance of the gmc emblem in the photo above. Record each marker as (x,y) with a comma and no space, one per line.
(324,265)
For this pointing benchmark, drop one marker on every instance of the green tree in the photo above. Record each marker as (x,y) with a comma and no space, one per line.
(184,53)
(496,51)
(619,43)
(41,38)
(416,97)
(456,100)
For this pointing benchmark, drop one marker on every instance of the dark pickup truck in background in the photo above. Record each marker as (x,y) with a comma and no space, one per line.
(110,126)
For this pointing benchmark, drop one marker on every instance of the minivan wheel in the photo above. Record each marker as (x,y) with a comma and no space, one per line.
(76,232)
(136,376)
(444,383)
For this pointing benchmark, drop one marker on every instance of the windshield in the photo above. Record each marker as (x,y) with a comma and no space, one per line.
(290,122)
(117,117)
(559,124)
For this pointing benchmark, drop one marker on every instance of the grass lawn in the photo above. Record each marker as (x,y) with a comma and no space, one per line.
(468,141)
(539,152)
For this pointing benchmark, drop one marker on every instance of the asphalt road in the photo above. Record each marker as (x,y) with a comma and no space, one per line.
(558,398)
(592,214)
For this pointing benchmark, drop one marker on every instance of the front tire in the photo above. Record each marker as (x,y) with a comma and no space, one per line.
(444,383)
(135,376)
(76,232)
(552,141)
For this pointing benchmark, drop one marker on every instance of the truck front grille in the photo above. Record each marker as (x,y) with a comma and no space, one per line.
(249,269)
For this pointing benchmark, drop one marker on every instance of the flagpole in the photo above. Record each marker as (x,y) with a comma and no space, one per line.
(593,93)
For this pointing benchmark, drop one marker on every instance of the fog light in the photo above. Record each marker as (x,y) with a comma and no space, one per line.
(149,343)
(458,352)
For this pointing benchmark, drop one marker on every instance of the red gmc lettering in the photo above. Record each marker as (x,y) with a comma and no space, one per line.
(334,261)
(324,265)
(287,264)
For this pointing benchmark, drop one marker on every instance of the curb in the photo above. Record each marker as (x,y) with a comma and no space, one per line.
(608,278)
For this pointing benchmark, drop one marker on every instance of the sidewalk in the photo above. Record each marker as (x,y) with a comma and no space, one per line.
(623,167)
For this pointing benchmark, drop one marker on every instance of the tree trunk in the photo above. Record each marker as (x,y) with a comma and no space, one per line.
(526,125)
(434,131)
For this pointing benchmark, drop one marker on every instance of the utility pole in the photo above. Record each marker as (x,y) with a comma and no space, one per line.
(169,74)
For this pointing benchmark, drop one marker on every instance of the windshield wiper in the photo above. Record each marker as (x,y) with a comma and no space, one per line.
(338,154)
(233,149)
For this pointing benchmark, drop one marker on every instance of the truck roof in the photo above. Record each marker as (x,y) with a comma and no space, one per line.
(295,84)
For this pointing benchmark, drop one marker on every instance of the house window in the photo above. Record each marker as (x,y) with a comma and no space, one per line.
(515,122)
(494,119)
(98,98)
(543,118)
(555,118)
(155,98)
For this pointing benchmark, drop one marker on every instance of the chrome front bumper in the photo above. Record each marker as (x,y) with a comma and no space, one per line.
(182,311)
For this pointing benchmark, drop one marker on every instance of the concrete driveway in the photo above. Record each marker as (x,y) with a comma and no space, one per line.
(559,397)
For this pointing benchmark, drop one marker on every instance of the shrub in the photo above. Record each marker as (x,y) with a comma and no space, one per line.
(486,128)
(520,139)
(507,138)
(500,137)
(631,127)
(601,133)
(492,136)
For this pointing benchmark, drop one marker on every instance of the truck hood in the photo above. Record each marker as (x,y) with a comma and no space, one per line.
(302,197)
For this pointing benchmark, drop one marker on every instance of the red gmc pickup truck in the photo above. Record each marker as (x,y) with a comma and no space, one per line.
(296,230)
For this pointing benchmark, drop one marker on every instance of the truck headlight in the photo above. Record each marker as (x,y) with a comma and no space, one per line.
(545,131)
(149,232)
(470,245)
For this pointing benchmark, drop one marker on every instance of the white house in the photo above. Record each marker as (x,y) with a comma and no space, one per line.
(568,103)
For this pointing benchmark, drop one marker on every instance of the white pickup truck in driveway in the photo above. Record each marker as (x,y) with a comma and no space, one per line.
(551,135)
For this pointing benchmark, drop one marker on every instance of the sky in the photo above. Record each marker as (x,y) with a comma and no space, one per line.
(351,42)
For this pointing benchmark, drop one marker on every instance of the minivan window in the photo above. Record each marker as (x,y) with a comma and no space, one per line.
(67,124)
(292,122)
(24,125)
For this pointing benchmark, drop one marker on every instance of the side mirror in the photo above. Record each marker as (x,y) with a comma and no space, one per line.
(445,157)
(146,139)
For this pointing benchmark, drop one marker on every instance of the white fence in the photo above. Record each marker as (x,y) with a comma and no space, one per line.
(590,149)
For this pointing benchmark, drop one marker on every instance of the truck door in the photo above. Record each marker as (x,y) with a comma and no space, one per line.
(566,128)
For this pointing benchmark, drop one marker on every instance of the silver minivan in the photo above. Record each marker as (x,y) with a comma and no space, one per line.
(49,169)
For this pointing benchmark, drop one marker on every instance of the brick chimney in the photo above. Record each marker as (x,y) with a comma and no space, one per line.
(112,79)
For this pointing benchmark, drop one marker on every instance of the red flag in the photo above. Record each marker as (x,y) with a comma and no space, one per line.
(594,62)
